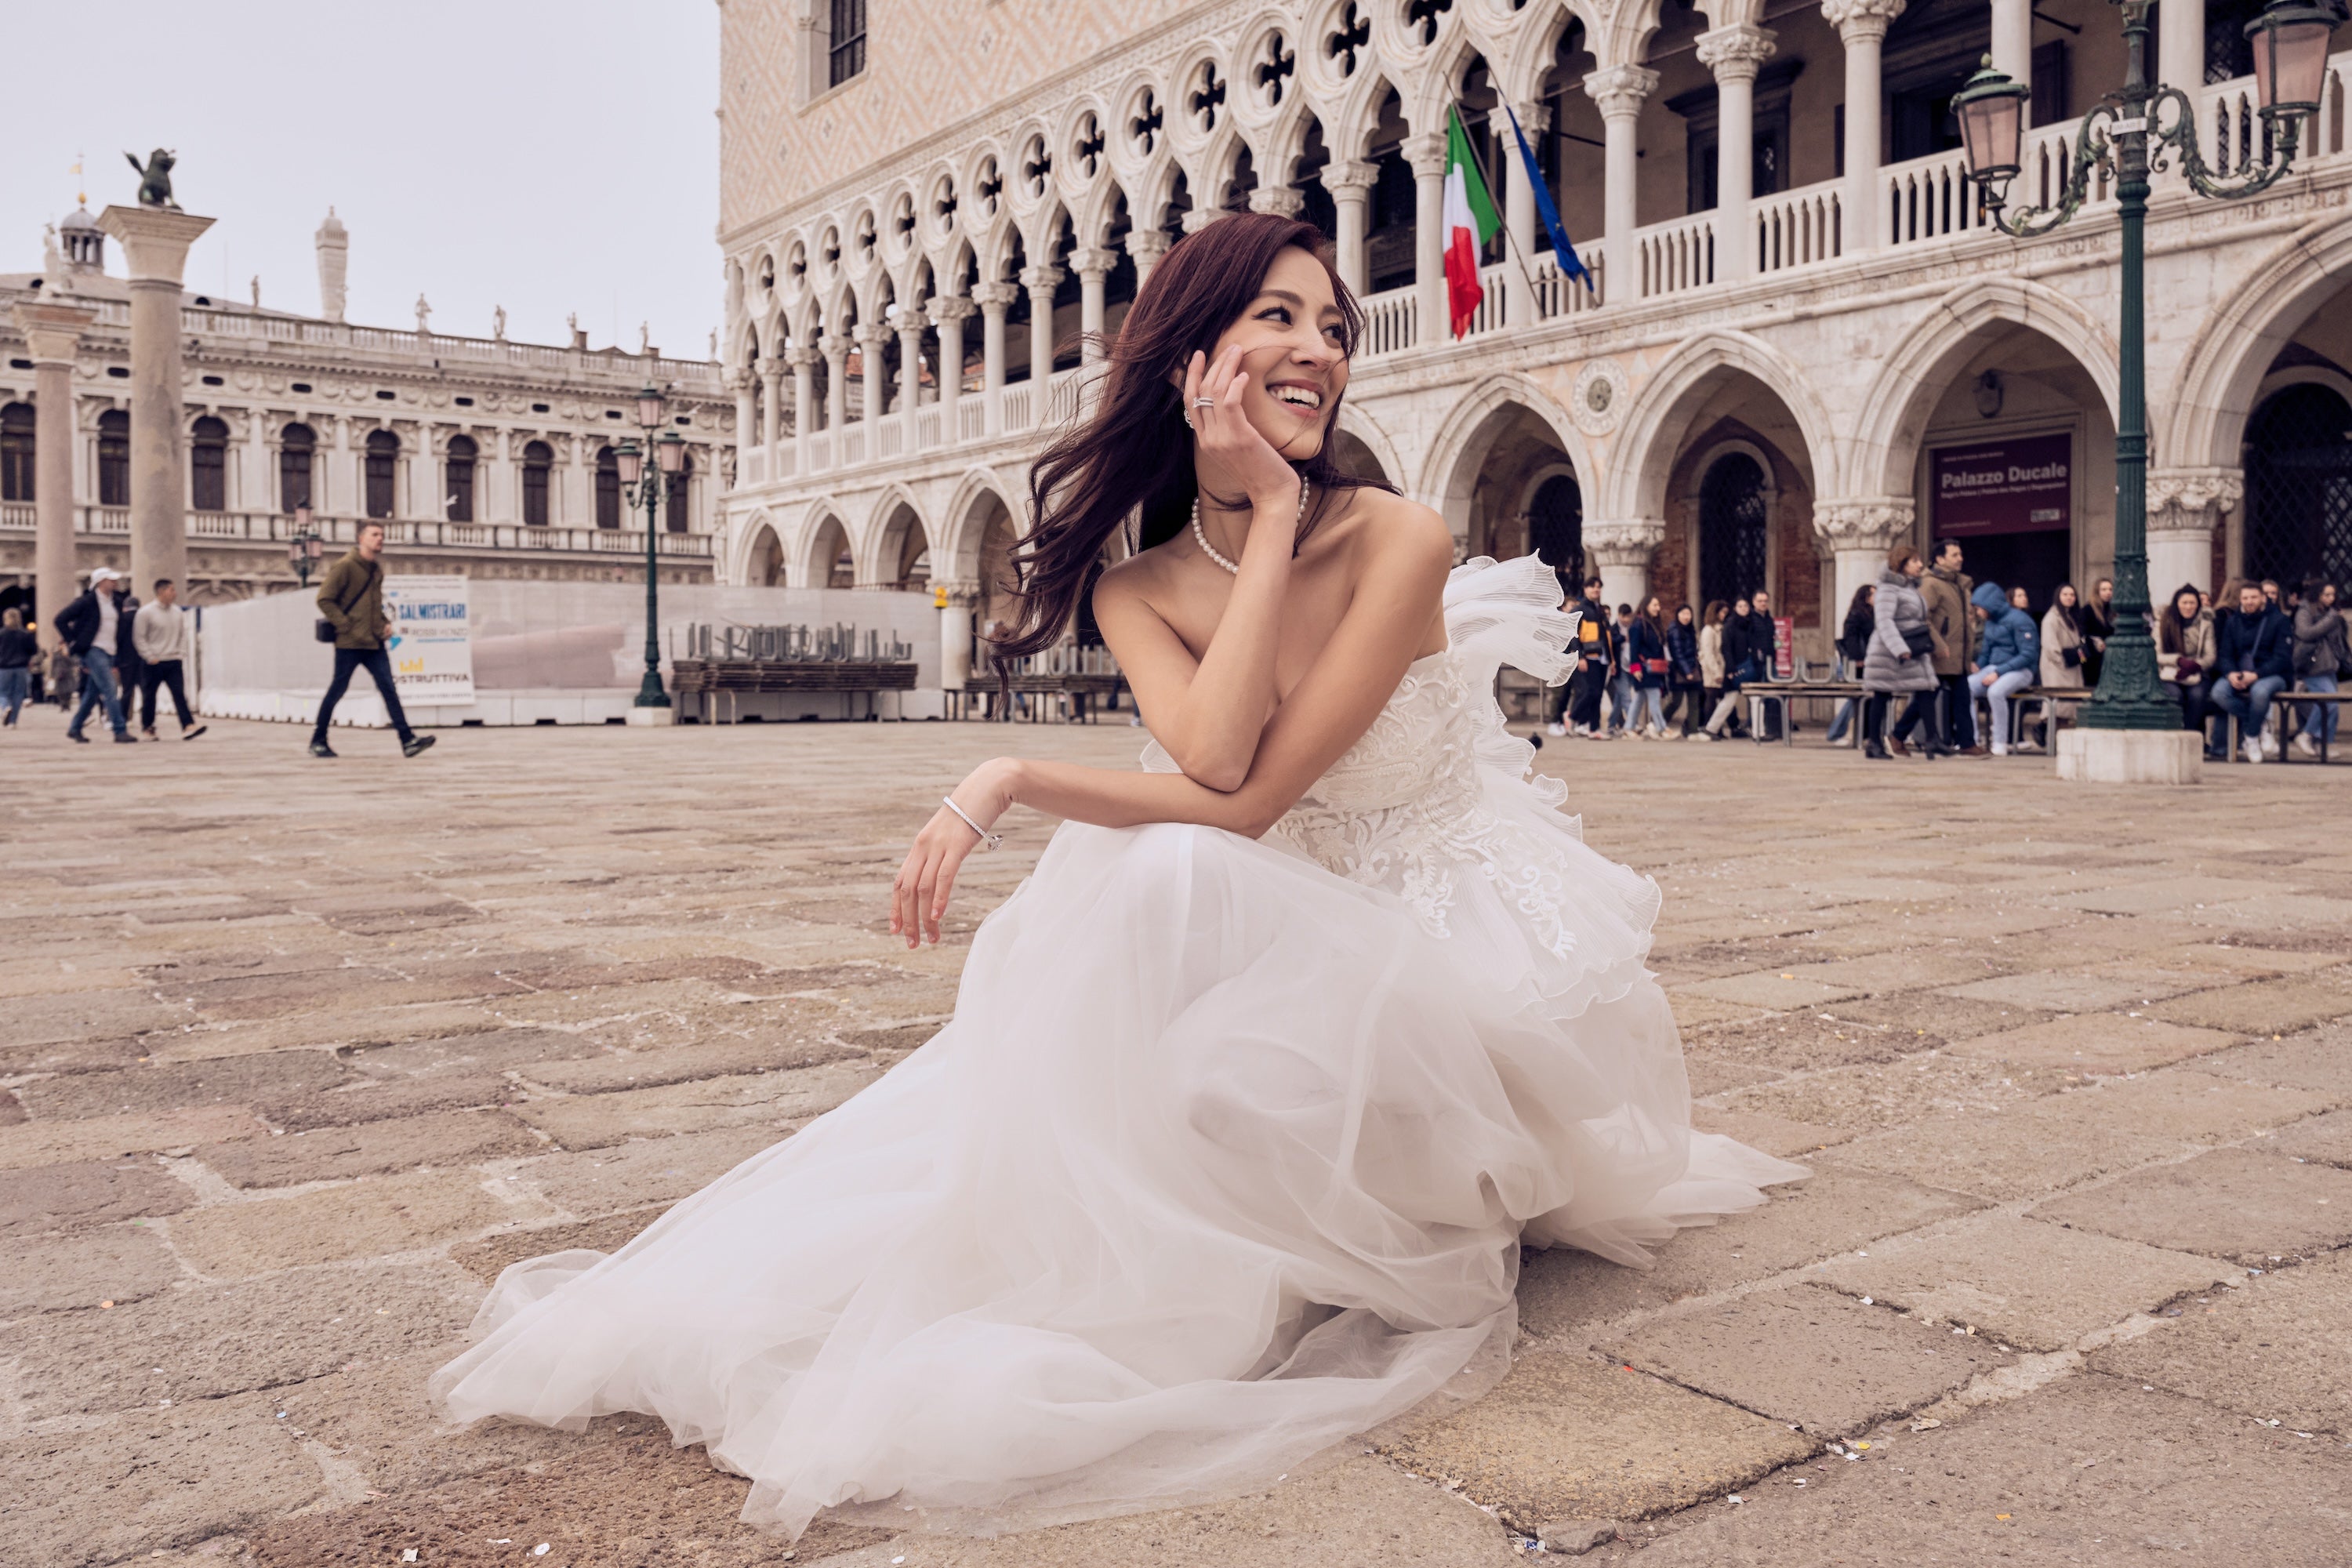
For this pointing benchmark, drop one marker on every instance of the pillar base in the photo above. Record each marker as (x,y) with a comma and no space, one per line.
(655,716)
(2131,756)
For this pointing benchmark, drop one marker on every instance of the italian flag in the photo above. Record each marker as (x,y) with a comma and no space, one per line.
(1470,222)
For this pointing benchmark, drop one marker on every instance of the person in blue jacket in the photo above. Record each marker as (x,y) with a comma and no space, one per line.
(2254,662)
(2007,661)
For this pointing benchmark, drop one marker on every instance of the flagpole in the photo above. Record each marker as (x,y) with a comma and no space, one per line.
(1511,241)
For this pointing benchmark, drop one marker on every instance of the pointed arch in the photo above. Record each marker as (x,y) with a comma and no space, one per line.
(1645,446)
(1455,456)
(2219,381)
(956,550)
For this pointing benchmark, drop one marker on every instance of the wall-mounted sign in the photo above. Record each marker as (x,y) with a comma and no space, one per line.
(2023,485)
(432,648)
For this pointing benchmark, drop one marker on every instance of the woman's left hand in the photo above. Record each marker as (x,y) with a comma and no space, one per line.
(919,896)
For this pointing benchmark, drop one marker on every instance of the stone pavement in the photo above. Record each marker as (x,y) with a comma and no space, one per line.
(298,1056)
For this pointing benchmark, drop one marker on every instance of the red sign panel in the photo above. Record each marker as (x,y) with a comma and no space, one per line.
(2024,484)
(1784,648)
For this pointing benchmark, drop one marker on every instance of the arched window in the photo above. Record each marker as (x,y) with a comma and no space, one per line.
(1555,526)
(383,459)
(208,466)
(1733,552)
(459,484)
(608,488)
(298,446)
(538,461)
(16,423)
(673,497)
(2299,486)
(114,457)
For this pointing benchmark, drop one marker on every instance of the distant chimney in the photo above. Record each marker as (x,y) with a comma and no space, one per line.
(334,253)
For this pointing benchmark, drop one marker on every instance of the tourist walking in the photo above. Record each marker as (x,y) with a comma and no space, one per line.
(2064,647)
(1622,681)
(2322,658)
(1711,672)
(1590,675)
(1764,647)
(90,628)
(351,600)
(1853,648)
(1686,679)
(1900,658)
(2184,657)
(1946,589)
(18,648)
(164,639)
(1740,665)
(2007,662)
(2254,658)
(1645,655)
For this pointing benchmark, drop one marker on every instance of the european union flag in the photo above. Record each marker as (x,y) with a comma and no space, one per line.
(1562,251)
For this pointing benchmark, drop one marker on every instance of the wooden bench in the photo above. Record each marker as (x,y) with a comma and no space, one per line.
(707,680)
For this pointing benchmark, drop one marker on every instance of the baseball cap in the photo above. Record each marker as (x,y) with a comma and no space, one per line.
(104,574)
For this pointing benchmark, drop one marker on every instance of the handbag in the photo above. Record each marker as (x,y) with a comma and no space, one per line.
(1654,666)
(1919,640)
(2072,655)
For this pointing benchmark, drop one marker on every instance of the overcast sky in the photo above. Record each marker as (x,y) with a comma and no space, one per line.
(548,157)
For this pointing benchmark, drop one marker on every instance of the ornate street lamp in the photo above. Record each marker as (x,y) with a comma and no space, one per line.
(646,487)
(303,551)
(2125,137)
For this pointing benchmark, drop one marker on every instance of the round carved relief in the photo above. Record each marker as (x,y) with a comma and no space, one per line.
(1598,396)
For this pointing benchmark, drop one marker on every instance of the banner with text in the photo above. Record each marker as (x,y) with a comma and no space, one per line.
(432,648)
(2023,485)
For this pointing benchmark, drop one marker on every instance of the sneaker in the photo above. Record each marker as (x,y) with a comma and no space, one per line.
(417,744)
(1702,735)
(191,735)
(125,738)
(1876,751)
(1555,729)
(2270,746)
(2000,749)
(321,749)
(76,737)
(2253,750)
(2304,748)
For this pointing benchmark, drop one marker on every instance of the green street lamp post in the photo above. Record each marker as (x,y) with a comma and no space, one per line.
(2125,137)
(305,548)
(647,487)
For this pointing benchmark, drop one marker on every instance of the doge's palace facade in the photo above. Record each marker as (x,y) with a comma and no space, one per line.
(1804,338)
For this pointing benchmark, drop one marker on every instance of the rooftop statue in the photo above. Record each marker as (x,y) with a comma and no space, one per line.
(155,180)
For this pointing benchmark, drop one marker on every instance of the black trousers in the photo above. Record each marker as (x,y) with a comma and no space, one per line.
(1960,711)
(1918,713)
(378,664)
(165,672)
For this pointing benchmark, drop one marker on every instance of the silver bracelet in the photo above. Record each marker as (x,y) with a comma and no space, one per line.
(987,840)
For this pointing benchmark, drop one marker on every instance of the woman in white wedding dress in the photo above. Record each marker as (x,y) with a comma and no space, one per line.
(1255,1086)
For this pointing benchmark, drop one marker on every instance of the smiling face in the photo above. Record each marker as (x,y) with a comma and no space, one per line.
(2185,605)
(1289,338)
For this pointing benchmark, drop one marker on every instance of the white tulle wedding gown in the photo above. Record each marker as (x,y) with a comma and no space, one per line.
(1228,1154)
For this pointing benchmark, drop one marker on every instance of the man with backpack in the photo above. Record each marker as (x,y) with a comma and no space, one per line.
(351,615)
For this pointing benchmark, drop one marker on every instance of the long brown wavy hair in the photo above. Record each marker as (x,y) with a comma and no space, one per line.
(1134,456)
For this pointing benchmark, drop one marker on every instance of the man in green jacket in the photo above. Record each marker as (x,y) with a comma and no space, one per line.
(352,600)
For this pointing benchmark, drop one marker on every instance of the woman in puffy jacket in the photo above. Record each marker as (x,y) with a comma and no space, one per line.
(2066,645)
(1646,661)
(1683,674)
(2007,662)
(2185,650)
(1901,658)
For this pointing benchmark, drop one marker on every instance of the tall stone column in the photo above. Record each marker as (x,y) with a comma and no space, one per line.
(1735,55)
(1426,154)
(836,386)
(950,311)
(1041,283)
(1519,219)
(745,384)
(956,602)
(2012,38)
(772,409)
(1860,532)
(1861,27)
(910,325)
(1145,246)
(1619,92)
(1351,185)
(2179,44)
(1093,267)
(2186,510)
(870,336)
(156,243)
(994,299)
(1621,552)
(52,334)
(806,415)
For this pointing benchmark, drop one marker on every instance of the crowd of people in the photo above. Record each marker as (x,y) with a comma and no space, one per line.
(112,656)
(1976,671)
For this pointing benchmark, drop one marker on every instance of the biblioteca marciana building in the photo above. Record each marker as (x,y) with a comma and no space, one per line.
(1806,337)
(479,455)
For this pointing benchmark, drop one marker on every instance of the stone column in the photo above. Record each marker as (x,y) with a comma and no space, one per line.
(1861,27)
(870,336)
(836,386)
(156,246)
(1426,154)
(1619,92)
(2012,38)
(1041,283)
(1621,553)
(950,311)
(1351,185)
(772,409)
(1519,219)
(956,602)
(2180,46)
(993,298)
(1735,55)
(2186,510)
(1145,246)
(806,416)
(1860,532)
(910,325)
(1092,267)
(52,334)
(744,383)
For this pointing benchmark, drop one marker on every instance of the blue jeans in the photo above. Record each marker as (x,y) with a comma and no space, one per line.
(13,684)
(98,686)
(2318,718)
(2251,708)
(1621,701)
(378,664)
(1996,697)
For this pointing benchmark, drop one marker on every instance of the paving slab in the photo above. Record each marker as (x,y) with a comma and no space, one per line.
(1864,1099)
(642,1171)
(119,1263)
(2095,1472)
(1565,1437)
(87,1193)
(79,1014)
(1802,1042)
(616,1070)
(364,1218)
(1933,1018)
(31,1144)
(370,1148)
(771,1099)
(2261,1008)
(2252,1207)
(2319,1060)
(2279,1348)
(1773,1134)
(367,1099)
(1808,1355)
(2026,1283)
(487,1257)
(2324,1138)
(2097,989)
(165,1085)
(2097,1043)
(1775,989)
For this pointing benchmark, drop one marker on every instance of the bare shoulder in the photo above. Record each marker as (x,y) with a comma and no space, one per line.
(1400,534)
(1133,580)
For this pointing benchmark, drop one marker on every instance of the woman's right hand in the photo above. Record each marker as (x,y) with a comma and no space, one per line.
(1230,456)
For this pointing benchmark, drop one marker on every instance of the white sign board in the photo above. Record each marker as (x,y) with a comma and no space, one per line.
(431,648)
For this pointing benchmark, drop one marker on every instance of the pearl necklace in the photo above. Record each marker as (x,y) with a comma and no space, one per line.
(1210,549)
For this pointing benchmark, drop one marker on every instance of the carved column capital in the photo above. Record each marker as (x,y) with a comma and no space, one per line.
(2191,502)
(1093,263)
(1041,280)
(947,307)
(1862,21)
(1147,244)
(1280,200)
(1426,154)
(1625,543)
(1621,89)
(1344,179)
(992,297)
(1736,53)
(1864,522)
